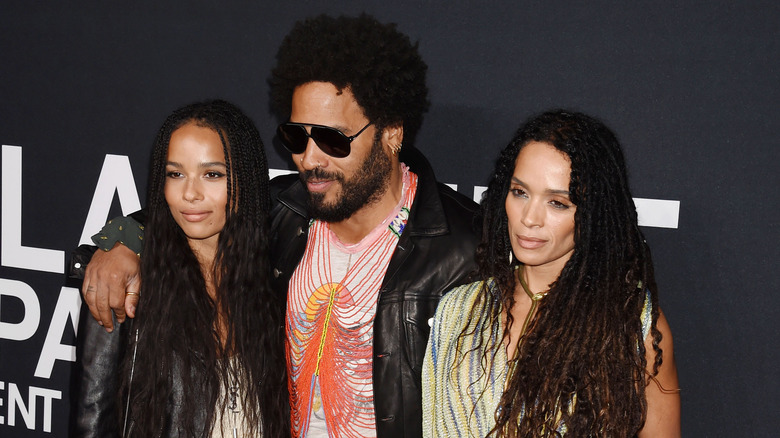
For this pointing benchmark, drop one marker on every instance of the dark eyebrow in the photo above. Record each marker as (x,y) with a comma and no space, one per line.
(214,163)
(341,129)
(550,191)
(202,165)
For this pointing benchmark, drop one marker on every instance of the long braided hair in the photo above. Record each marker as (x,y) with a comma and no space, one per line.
(582,362)
(185,334)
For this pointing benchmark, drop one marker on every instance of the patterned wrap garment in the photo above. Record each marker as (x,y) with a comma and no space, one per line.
(460,391)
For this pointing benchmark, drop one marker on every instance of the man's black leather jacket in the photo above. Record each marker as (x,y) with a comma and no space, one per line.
(434,254)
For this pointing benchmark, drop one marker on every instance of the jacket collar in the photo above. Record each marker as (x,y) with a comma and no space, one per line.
(426,217)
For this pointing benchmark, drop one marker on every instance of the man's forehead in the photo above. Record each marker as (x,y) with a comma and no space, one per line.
(323,103)
(327,86)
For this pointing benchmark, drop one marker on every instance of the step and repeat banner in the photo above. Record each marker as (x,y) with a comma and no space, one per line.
(691,91)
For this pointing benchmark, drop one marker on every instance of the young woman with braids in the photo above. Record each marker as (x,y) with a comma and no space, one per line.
(563,334)
(204,357)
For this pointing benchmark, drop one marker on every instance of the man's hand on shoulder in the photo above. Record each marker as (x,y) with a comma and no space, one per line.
(112,282)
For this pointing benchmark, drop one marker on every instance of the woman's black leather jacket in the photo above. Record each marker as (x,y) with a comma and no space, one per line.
(96,409)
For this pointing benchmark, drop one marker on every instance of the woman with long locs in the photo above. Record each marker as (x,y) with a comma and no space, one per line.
(204,357)
(562,334)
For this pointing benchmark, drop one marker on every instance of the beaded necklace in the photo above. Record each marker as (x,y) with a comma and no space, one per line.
(330,312)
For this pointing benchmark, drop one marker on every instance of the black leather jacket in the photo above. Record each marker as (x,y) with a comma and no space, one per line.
(97,411)
(434,254)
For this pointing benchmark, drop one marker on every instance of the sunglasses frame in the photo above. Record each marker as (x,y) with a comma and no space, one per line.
(333,152)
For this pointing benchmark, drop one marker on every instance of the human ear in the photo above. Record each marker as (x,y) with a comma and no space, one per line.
(392,138)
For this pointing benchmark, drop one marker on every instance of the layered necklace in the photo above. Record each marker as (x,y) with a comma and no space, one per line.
(331,306)
(535,298)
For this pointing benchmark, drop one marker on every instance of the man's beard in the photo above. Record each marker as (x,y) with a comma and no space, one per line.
(366,186)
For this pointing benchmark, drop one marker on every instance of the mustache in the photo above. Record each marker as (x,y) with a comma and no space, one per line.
(318,173)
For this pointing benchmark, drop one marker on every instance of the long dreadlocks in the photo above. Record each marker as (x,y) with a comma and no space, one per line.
(582,363)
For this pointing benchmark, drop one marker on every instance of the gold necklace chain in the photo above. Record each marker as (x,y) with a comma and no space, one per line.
(535,298)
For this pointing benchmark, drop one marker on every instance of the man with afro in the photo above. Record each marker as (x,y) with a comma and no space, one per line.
(364,239)
(386,240)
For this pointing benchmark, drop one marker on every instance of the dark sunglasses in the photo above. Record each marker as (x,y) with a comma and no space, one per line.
(332,141)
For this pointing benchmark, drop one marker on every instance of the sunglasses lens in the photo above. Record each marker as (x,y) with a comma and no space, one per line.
(293,137)
(331,141)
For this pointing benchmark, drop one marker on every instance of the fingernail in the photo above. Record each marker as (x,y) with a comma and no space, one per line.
(100,322)
(132,310)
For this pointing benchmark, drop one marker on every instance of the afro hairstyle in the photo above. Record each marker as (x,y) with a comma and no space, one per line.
(377,63)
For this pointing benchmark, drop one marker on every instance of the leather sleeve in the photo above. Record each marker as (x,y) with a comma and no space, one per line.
(99,354)
(79,259)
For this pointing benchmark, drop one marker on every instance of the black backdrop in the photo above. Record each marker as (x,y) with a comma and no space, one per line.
(691,89)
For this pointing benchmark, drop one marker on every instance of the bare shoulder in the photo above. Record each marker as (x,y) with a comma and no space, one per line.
(663,390)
